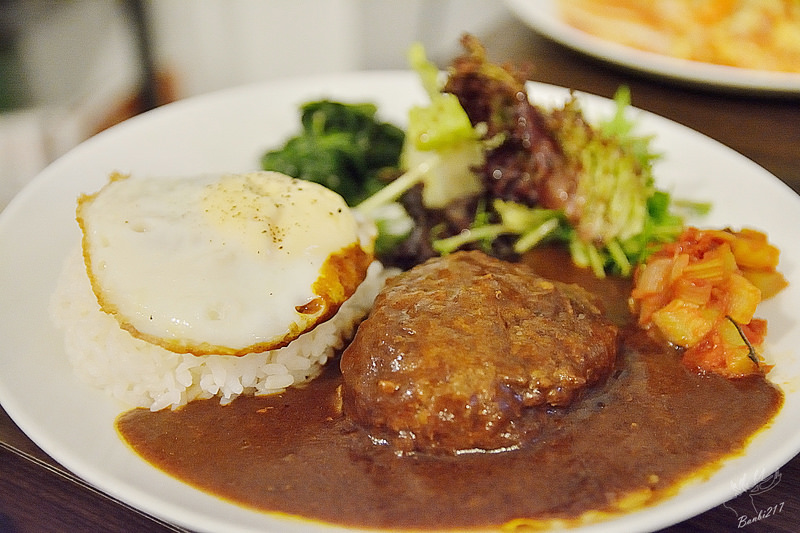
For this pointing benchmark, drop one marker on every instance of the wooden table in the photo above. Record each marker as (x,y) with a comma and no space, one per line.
(36,494)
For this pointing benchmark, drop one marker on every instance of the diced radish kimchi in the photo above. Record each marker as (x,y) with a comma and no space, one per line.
(701,293)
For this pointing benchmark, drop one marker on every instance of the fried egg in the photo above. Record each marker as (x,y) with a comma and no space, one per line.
(229,264)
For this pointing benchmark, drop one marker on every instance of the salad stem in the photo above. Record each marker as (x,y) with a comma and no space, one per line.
(531,238)
(395,189)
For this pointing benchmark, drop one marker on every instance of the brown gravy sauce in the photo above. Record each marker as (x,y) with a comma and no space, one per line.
(650,426)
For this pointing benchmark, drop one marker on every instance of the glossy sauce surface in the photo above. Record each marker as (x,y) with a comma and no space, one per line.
(649,426)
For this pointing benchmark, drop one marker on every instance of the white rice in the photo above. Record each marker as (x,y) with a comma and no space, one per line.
(141,374)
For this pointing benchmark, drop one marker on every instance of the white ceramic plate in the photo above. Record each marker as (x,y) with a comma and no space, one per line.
(543,16)
(228,131)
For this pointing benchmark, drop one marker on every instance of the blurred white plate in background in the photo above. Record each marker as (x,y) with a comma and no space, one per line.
(543,16)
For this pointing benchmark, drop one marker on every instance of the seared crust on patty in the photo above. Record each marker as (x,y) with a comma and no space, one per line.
(458,349)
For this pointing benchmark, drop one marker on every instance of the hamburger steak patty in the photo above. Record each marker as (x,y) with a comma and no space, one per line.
(458,348)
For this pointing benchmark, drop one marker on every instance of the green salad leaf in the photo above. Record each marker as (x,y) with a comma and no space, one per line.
(441,136)
(623,214)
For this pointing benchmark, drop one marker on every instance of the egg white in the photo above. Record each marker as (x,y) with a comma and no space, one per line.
(227,264)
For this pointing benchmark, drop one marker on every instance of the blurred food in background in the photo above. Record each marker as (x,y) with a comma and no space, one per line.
(753,34)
